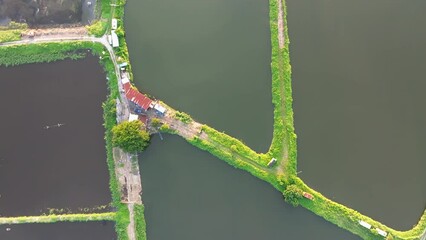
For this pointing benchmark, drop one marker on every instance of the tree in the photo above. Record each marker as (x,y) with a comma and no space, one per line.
(155,122)
(130,136)
(292,194)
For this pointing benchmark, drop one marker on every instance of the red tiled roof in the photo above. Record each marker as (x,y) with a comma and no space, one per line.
(126,86)
(136,97)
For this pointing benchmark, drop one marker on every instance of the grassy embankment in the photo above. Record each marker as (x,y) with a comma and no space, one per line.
(284,148)
(12,32)
(110,216)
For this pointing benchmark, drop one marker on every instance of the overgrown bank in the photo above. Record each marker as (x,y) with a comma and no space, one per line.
(59,218)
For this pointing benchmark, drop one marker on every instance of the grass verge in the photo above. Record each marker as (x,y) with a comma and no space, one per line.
(110,216)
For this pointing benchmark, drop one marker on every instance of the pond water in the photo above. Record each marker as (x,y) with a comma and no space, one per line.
(43,165)
(210,59)
(62,231)
(189,194)
(358,80)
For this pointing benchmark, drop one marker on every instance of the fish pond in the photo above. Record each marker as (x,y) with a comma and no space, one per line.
(359,102)
(52,148)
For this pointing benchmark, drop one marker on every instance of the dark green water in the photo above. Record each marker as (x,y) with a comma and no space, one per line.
(59,231)
(208,58)
(359,81)
(56,167)
(190,195)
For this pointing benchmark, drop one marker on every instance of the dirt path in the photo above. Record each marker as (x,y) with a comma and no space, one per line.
(194,129)
(131,228)
(281,35)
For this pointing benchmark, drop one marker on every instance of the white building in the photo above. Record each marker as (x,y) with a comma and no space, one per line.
(381,232)
(114,24)
(364,224)
(160,108)
(133,117)
(114,38)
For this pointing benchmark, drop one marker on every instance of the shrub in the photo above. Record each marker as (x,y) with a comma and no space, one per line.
(98,28)
(130,137)
(155,122)
(292,194)
(10,35)
(183,117)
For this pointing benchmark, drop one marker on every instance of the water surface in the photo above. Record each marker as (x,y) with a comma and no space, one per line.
(208,58)
(358,78)
(62,231)
(59,167)
(189,194)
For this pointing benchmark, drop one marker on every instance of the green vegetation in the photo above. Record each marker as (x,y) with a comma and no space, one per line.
(12,32)
(98,28)
(130,136)
(14,25)
(10,35)
(284,137)
(292,194)
(59,218)
(140,222)
(155,122)
(183,117)
(236,145)
(46,52)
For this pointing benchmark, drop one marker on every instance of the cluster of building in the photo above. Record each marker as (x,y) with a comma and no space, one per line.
(139,103)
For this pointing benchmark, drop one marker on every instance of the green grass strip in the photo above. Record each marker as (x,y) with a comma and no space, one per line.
(110,216)
(140,223)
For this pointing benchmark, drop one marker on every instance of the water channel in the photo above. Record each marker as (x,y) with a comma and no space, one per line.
(212,60)
(358,80)
(62,231)
(42,164)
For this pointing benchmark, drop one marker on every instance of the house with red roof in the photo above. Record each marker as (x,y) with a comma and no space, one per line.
(134,96)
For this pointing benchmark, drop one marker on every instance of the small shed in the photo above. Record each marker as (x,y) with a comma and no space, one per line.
(364,224)
(381,232)
(114,38)
(123,65)
(160,109)
(114,24)
(308,196)
(125,80)
(272,162)
(133,117)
